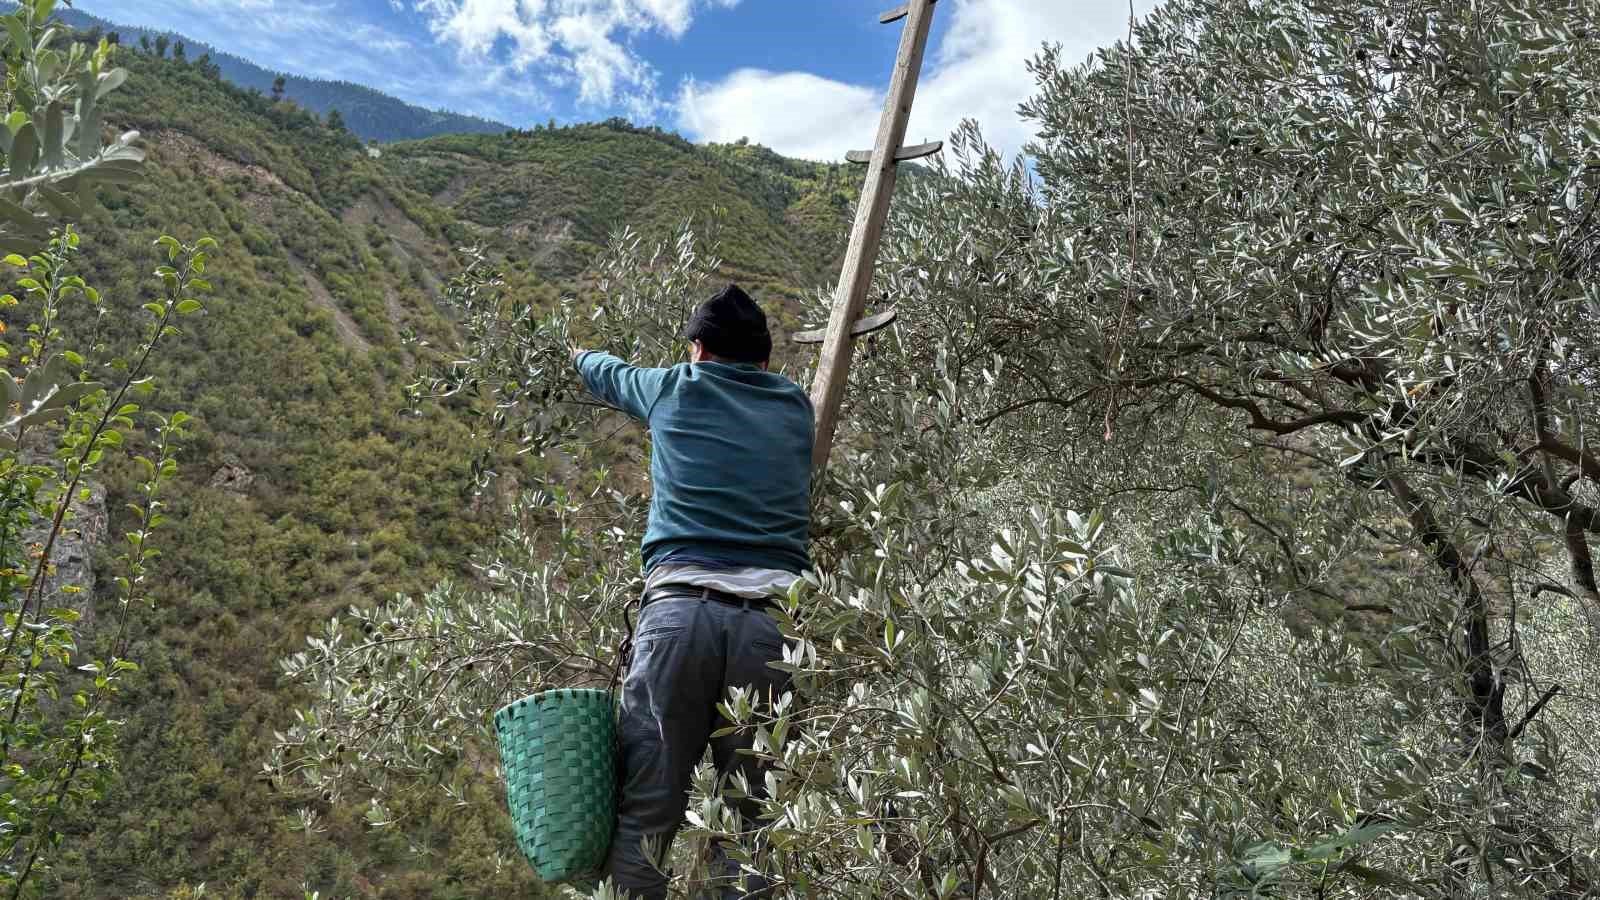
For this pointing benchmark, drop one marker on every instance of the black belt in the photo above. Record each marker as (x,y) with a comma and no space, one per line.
(694,592)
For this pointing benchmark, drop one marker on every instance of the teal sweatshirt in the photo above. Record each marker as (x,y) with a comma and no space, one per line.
(730,462)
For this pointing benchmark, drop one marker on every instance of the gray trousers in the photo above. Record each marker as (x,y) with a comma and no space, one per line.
(687,651)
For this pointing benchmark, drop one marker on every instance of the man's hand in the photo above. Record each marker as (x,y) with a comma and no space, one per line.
(577,352)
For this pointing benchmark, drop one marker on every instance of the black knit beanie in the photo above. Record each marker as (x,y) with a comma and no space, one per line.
(732,326)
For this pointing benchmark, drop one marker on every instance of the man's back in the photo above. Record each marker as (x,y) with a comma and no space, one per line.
(731,462)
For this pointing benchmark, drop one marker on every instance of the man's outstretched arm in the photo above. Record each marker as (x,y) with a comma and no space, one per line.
(629,388)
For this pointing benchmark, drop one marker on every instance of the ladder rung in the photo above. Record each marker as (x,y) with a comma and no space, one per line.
(862,157)
(861,328)
(896,14)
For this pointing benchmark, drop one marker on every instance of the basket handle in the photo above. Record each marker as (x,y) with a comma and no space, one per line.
(624,650)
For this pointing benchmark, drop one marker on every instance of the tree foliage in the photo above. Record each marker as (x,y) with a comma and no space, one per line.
(52,140)
(69,402)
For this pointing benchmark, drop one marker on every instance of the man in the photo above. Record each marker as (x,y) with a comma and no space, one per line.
(729,522)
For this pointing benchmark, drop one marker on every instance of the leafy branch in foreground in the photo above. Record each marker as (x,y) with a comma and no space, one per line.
(58,738)
(51,134)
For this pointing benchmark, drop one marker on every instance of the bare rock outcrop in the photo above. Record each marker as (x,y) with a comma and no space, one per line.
(232,477)
(71,583)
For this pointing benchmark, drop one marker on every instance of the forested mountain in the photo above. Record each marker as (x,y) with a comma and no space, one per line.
(309,484)
(370,114)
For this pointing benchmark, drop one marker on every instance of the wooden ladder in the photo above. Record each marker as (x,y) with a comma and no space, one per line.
(844,322)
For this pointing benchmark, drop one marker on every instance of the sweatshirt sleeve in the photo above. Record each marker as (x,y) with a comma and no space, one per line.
(629,388)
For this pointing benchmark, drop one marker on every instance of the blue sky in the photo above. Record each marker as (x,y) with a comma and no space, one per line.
(803,76)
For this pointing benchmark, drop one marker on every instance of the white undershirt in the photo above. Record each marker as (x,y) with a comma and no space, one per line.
(748,581)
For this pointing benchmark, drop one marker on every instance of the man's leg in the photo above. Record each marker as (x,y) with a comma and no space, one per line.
(668,699)
(753,643)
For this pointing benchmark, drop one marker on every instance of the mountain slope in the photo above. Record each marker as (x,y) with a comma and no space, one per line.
(310,484)
(558,195)
(370,114)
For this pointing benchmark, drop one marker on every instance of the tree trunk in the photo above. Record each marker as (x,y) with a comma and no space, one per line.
(1484,716)
(1583,576)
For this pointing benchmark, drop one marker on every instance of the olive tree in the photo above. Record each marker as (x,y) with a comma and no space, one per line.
(1319,273)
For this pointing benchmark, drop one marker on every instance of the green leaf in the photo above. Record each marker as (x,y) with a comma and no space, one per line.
(17,30)
(54,144)
(187,306)
(59,203)
(110,81)
(86,116)
(24,147)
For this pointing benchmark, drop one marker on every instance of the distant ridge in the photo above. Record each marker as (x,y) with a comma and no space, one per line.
(369,114)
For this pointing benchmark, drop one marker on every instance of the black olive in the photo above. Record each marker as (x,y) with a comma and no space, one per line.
(1311,237)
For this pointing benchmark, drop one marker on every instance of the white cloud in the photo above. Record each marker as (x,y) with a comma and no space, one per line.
(978,71)
(581,41)
(797,113)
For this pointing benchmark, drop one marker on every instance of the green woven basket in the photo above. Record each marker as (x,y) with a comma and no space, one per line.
(558,749)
